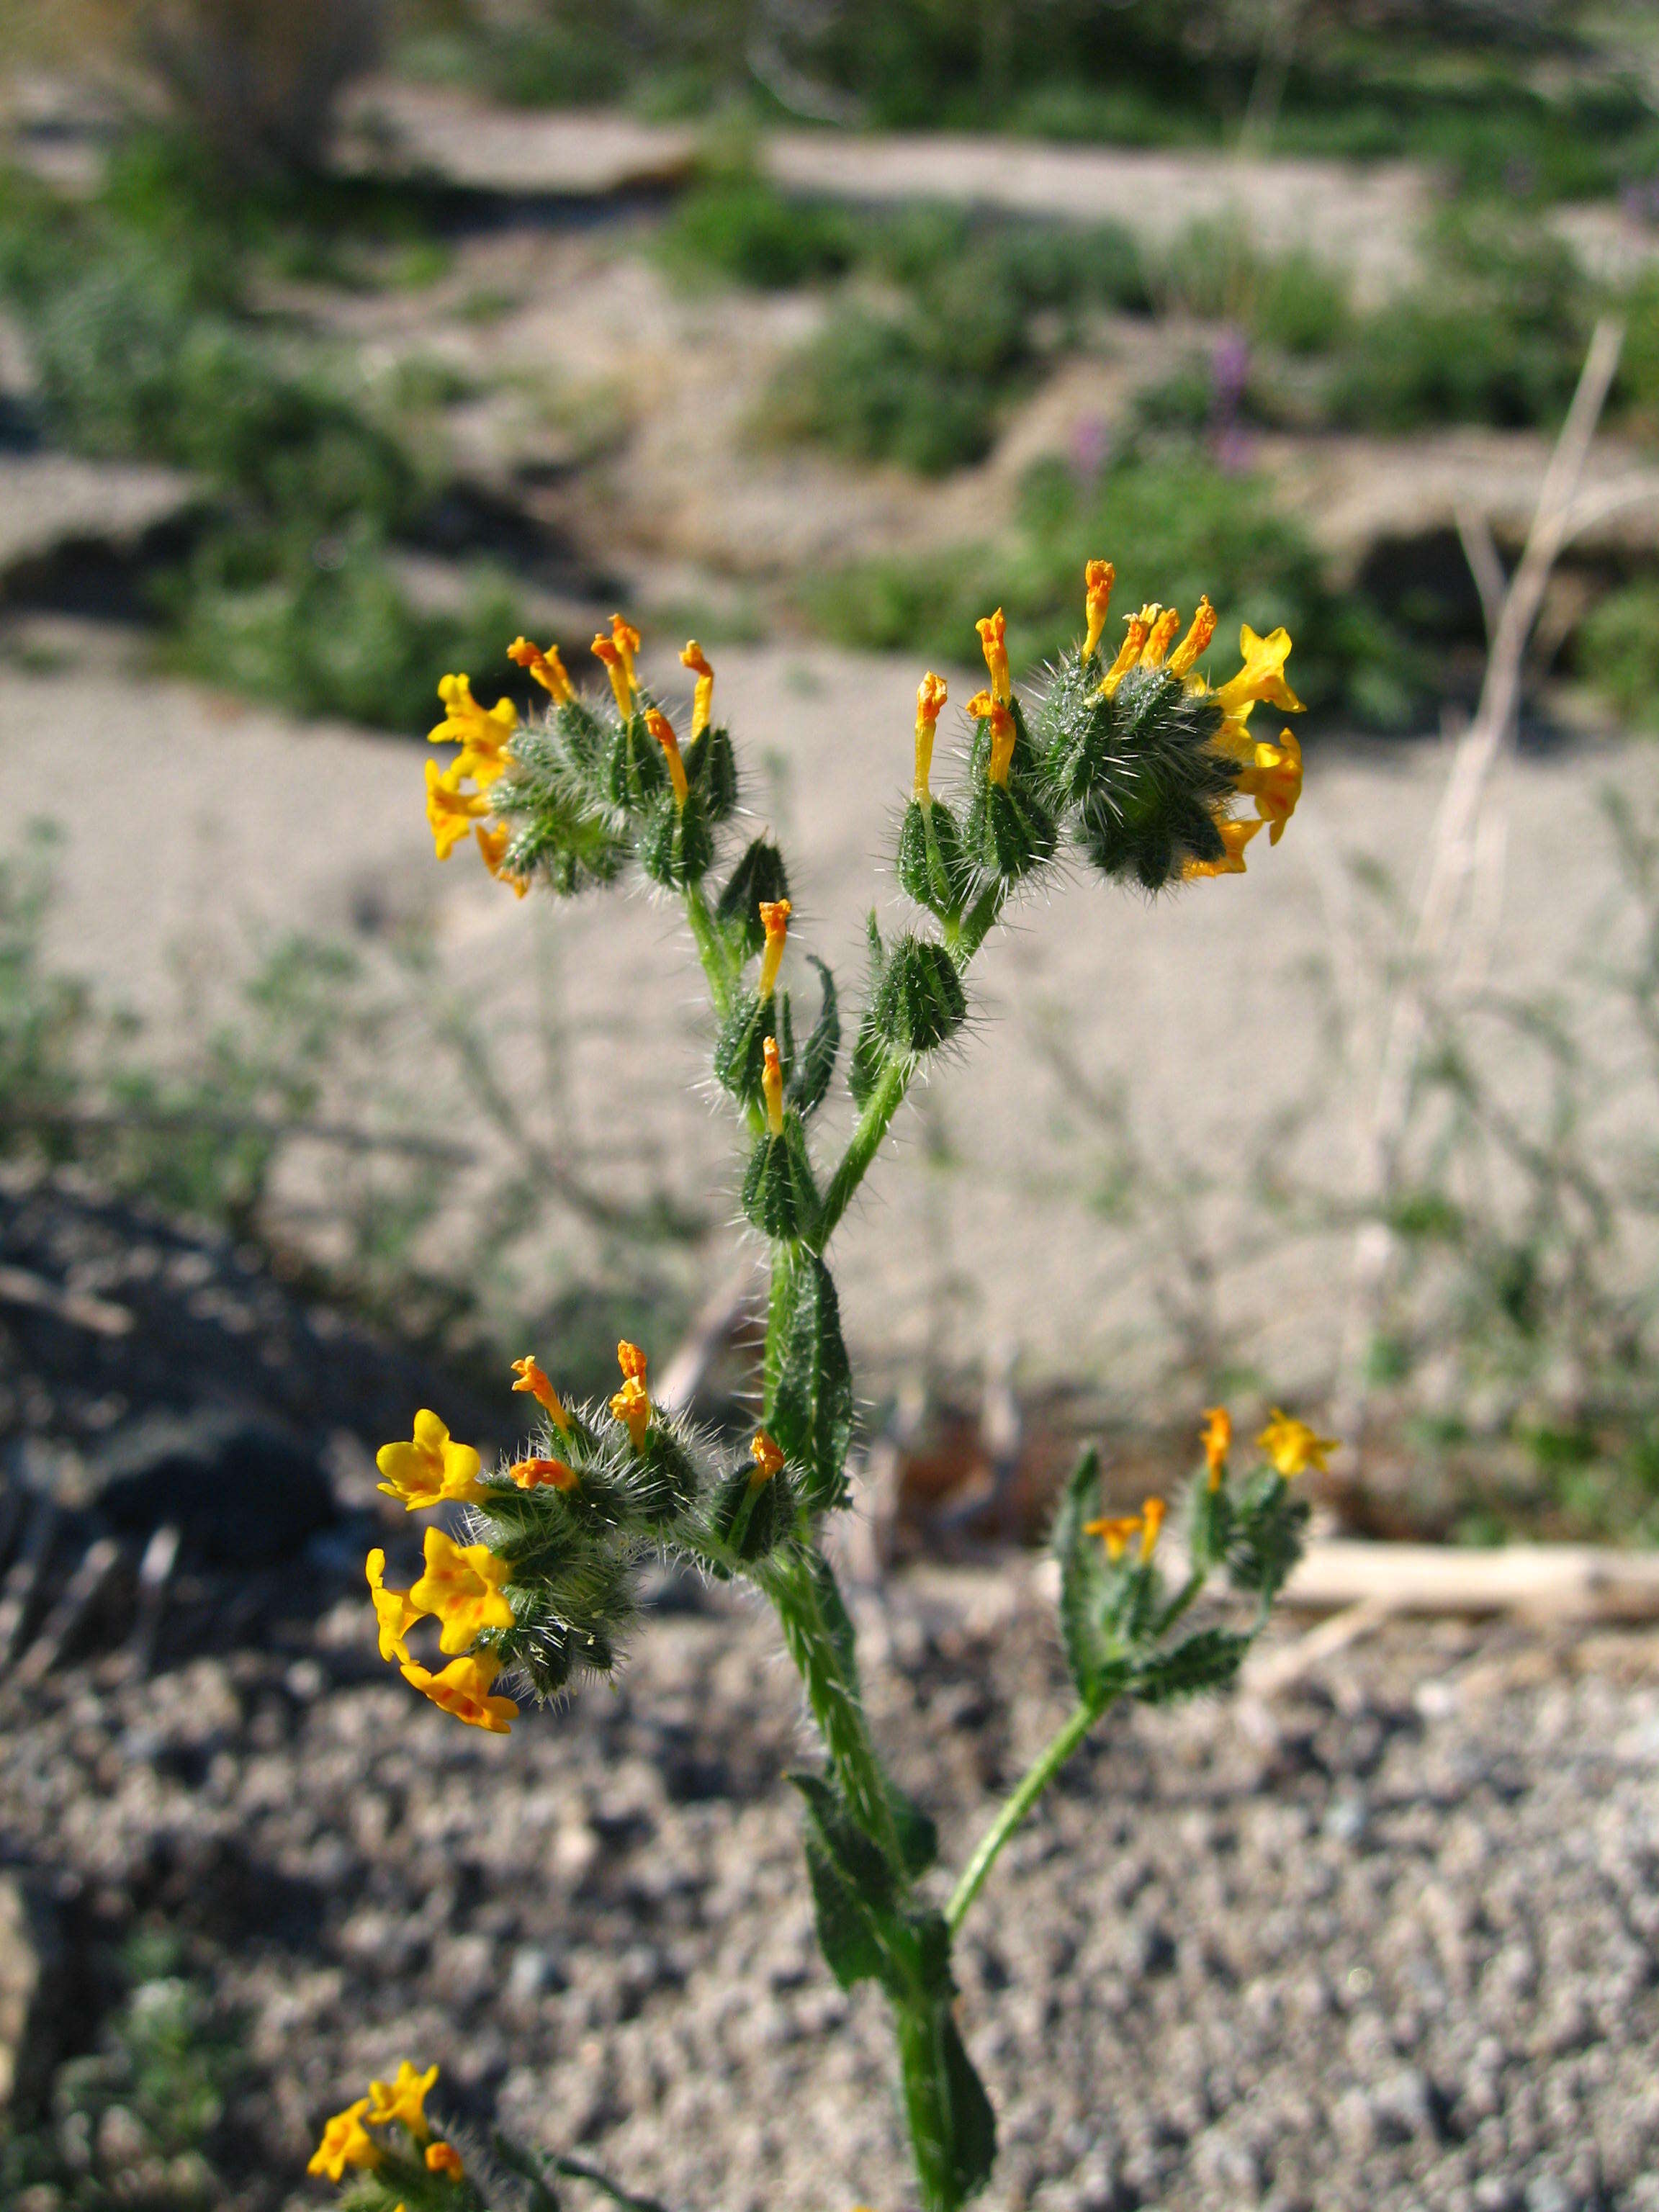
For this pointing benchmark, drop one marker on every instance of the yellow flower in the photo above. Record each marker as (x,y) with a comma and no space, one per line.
(1217,1438)
(768,1459)
(632,1403)
(444,2158)
(1159,638)
(1263,675)
(547,667)
(774,921)
(626,639)
(404,2099)
(392,1609)
(430,1468)
(482,737)
(1235,836)
(931,696)
(345,2142)
(988,707)
(450,812)
(1292,1447)
(1152,1520)
(1196,640)
(1098,578)
(663,731)
(621,685)
(1114,1532)
(542,1474)
(993,637)
(532,1378)
(462,1588)
(463,1688)
(493,839)
(772,1086)
(1134,638)
(1275,782)
(702,697)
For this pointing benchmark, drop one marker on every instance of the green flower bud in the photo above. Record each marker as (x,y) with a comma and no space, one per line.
(759,879)
(919,1002)
(934,870)
(711,769)
(676,844)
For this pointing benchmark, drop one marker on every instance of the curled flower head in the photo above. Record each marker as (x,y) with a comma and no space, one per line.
(464,1688)
(1262,675)
(1159,638)
(768,1459)
(931,696)
(542,1474)
(462,1588)
(993,639)
(663,731)
(545,665)
(622,684)
(392,1609)
(1235,836)
(1274,780)
(493,841)
(772,1086)
(1292,1447)
(632,1404)
(1098,579)
(626,639)
(702,697)
(774,921)
(532,1378)
(987,707)
(1217,1438)
(1136,629)
(403,2099)
(430,1469)
(1195,642)
(345,2142)
(450,812)
(444,2158)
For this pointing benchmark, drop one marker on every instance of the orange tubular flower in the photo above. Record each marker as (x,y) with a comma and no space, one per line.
(772,1086)
(768,1459)
(1195,642)
(663,731)
(444,2158)
(542,1474)
(989,708)
(392,1609)
(626,639)
(774,921)
(1134,638)
(632,1404)
(1235,836)
(930,694)
(994,638)
(532,1378)
(464,1688)
(621,683)
(1152,1520)
(450,812)
(546,667)
(462,1588)
(702,698)
(493,840)
(1160,638)
(1098,579)
(430,1469)
(404,2099)
(1217,1438)
(345,2142)
(1275,782)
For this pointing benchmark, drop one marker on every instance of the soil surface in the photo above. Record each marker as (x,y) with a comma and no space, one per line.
(1385,1941)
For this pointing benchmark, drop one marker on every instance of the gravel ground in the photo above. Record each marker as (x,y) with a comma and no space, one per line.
(1388,1941)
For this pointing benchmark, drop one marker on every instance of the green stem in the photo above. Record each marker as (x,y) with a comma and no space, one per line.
(1037,1777)
(710,951)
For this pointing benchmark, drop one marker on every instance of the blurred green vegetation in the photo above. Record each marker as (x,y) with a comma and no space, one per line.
(138,309)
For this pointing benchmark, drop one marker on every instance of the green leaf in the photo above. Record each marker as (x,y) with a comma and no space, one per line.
(1081,1579)
(540,2195)
(852,1888)
(779,1194)
(811,1410)
(1207,1660)
(816,1064)
(1267,1544)
(760,874)
(953,2130)
(918,1835)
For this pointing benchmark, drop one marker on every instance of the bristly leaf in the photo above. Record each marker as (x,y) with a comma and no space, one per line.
(1268,1524)
(952,2128)
(816,1064)
(852,1888)
(779,1194)
(1081,1579)
(811,1410)
(760,874)
(1207,1660)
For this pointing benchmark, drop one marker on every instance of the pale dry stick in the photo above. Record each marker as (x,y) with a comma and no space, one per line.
(1452,849)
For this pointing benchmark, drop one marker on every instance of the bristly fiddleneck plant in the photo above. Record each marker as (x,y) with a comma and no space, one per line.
(1136,765)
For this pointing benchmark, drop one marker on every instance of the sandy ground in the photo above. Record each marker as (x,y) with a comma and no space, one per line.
(196,828)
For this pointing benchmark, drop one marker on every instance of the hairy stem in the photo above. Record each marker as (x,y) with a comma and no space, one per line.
(710,951)
(1037,1778)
